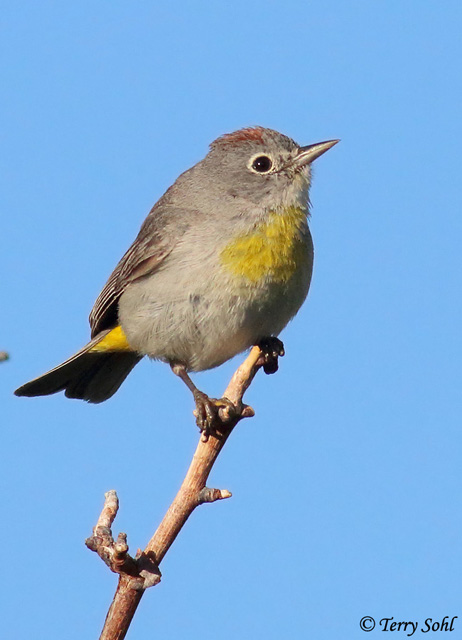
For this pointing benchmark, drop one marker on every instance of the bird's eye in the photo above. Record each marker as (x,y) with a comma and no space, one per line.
(262,164)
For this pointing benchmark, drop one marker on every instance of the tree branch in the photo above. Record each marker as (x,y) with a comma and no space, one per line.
(137,574)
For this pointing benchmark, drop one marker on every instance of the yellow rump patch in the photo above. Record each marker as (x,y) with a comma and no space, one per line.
(115,340)
(274,249)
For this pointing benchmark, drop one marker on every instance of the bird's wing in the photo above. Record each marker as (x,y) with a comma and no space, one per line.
(156,239)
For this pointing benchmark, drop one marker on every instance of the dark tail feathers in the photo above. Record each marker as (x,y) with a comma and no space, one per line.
(92,376)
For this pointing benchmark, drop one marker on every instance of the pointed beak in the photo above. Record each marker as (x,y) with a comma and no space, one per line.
(306,155)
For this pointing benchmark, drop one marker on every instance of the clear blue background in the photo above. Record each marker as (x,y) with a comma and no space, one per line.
(347,484)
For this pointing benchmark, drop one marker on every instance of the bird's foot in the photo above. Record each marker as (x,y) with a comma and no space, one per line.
(271,349)
(207,413)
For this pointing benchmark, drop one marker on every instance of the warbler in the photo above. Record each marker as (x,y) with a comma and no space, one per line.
(222,262)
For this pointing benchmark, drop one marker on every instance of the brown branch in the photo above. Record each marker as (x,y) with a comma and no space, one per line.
(142,571)
(136,574)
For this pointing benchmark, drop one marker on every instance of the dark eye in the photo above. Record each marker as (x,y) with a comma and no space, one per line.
(262,164)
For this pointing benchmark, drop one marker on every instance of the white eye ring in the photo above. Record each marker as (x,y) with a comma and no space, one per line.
(261,163)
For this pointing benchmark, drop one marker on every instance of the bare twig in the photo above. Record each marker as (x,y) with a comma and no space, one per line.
(136,574)
(143,571)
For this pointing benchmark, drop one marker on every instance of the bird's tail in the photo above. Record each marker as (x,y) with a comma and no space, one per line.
(94,373)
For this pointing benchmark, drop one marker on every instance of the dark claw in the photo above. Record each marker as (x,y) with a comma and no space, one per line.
(206,413)
(207,418)
(271,349)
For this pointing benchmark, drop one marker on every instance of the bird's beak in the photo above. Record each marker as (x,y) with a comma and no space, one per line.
(306,155)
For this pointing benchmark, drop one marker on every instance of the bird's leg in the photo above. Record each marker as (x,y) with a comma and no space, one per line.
(271,349)
(207,418)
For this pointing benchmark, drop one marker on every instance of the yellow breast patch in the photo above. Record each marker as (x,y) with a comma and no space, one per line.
(274,249)
(115,340)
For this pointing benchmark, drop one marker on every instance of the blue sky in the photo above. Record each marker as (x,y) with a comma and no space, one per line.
(346,485)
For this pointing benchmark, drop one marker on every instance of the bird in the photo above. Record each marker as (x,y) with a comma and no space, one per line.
(222,262)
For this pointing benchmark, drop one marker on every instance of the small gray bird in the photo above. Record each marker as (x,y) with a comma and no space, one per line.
(222,262)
